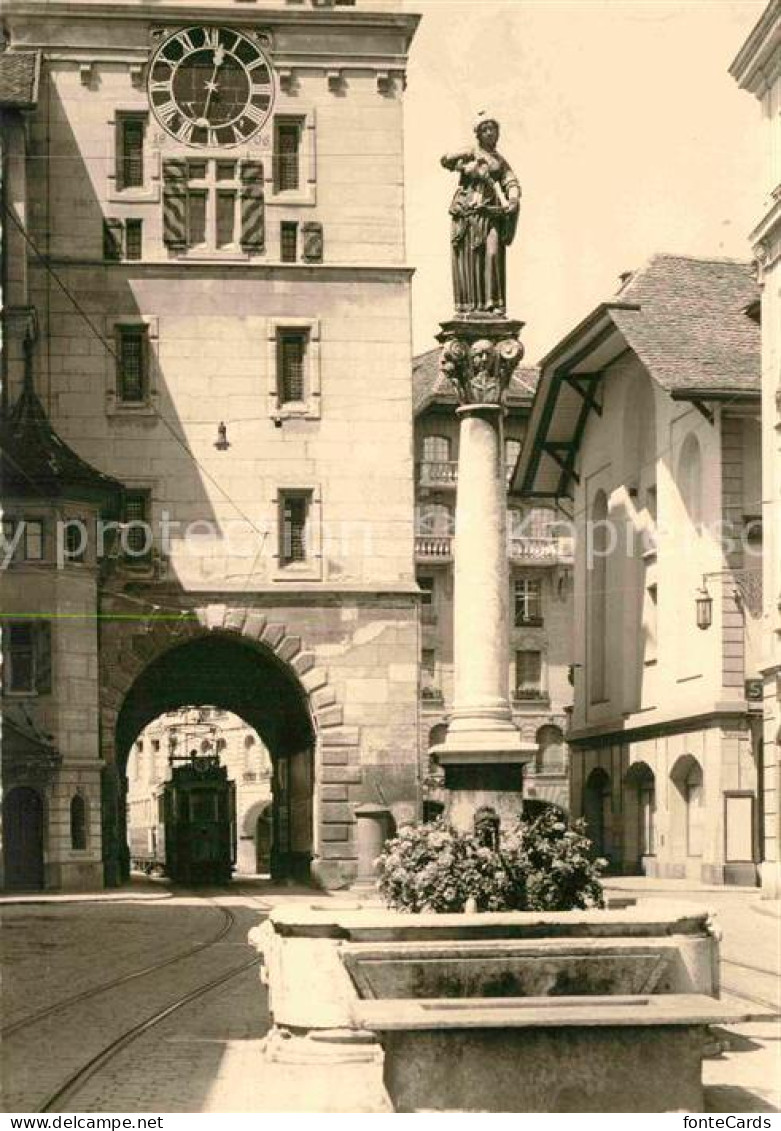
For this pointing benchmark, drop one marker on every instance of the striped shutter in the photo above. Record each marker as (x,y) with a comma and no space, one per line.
(43,657)
(175,203)
(312,233)
(113,238)
(253,225)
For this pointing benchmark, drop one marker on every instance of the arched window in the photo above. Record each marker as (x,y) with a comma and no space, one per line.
(598,810)
(436,449)
(437,734)
(687,777)
(642,784)
(597,592)
(205,746)
(78,822)
(692,795)
(551,750)
(690,478)
(249,740)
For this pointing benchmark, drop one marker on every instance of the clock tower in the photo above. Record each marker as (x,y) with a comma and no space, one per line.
(209,196)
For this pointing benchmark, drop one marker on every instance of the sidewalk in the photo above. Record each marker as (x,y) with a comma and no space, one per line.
(138,888)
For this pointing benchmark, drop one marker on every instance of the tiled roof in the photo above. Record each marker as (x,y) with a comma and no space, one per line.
(429,386)
(692,331)
(35,461)
(692,324)
(19,72)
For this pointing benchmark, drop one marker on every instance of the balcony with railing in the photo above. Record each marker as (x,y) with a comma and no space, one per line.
(437,473)
(432,547)
(526,551)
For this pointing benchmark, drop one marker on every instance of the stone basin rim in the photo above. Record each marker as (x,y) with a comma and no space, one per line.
(663,918)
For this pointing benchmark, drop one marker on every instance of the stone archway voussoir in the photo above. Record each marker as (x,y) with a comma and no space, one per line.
(254,625)
(289,647)
(272,635)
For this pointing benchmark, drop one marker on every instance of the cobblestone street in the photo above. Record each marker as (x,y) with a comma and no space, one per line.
(78,975)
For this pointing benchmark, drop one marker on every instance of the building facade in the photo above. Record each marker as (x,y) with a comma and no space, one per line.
(209,267)
(203,731)
(540,599)
(647,419)
(757,69)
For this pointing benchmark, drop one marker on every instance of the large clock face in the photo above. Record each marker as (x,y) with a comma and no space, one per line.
(210,86)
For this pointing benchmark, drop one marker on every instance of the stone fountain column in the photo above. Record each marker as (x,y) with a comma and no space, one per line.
(483,753)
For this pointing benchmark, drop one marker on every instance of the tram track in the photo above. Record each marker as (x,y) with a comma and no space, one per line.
(78,1079)
(23,1023)
(747,995)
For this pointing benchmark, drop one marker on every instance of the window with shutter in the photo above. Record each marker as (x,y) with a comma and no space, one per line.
(27,657)
(528,601)
(133,239)
(132,364)
(253,224)
(137,539)
(291,366)
(293,520)
(131,130)
(113,233)
(287,154)
(528,675)
(288,241)
(175,203)
(43,657)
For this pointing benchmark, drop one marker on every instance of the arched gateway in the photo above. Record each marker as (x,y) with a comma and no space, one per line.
(243,664)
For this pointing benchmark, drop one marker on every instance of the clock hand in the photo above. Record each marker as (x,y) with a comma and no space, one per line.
(211,85)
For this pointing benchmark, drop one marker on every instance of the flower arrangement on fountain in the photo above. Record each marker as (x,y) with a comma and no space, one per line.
(544,864)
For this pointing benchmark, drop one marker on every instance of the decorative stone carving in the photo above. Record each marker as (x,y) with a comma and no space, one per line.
(484,214)
(480,371)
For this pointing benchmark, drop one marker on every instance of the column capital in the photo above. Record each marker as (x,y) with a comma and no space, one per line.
(479,357)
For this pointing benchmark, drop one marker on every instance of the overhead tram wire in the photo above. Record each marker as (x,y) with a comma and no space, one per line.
(577,513)
(109,349)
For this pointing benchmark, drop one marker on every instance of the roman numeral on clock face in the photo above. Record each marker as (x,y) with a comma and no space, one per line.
(185,131)
(186,42)
(212,37)
(167,111)
(254,115)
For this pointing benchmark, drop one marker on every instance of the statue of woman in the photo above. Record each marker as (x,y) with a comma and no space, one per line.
(484,215)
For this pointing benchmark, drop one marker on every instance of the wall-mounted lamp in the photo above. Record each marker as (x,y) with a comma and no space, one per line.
(704,604)
(704,601)
(222,443)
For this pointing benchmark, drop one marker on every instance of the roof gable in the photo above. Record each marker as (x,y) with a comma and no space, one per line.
(692,331)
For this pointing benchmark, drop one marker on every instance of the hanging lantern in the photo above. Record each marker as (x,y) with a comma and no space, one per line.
(704,608)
